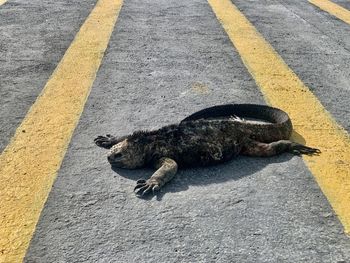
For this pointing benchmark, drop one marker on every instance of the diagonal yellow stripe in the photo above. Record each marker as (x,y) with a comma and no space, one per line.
(2,2)
(283,89)
(334,9)
(29,164)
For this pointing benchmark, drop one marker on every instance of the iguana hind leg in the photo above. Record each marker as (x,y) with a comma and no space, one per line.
(166,169)
(259,149)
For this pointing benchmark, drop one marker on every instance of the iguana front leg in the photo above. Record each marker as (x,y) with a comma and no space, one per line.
(107,141)
(259,149)
(166,169)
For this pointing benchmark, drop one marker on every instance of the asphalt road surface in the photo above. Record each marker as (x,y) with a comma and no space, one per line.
(166,59)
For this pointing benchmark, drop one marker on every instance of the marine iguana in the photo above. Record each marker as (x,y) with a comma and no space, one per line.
(211,136)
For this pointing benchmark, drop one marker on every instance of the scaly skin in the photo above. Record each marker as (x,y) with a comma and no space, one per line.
(205,138)
(278,125)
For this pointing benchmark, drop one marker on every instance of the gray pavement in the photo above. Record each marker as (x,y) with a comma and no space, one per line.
(34,35)
(314,44)
(165,60)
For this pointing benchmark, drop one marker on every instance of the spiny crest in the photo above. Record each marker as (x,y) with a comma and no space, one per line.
(145,133)
(138,135)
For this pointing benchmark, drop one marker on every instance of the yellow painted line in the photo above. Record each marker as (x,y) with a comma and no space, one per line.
(2,2)
(334,9)
(283,89)
(29,164)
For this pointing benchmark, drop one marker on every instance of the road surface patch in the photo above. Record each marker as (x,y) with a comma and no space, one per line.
(333,9)
(283,89)
(29,164)
(200,88)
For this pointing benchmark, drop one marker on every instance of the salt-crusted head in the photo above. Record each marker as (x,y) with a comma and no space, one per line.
(127,154)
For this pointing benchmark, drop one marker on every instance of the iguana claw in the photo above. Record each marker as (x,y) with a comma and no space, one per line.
(144,187)
(299,149)
(104,141)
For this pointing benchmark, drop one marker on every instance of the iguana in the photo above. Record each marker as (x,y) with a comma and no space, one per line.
(211,136)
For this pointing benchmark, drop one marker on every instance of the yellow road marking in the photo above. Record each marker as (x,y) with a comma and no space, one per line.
(333,9)
(2,2)
(29,164)
(283,89)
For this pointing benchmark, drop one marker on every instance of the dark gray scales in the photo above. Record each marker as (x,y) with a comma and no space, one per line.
(211,136)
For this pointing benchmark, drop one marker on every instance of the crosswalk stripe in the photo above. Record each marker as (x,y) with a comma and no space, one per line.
(283,89)
(29,164)
(333,9)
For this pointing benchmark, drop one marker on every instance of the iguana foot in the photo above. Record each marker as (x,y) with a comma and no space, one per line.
(105,141)
(144,187)
(254,148)
(299,149)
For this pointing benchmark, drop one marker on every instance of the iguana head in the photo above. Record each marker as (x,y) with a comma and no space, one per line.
(127,154)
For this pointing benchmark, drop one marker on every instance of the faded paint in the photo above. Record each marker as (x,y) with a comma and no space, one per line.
(29,164)
(333,9)
(283,89)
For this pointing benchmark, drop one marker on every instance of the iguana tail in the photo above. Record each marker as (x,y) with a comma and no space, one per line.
(276,126)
